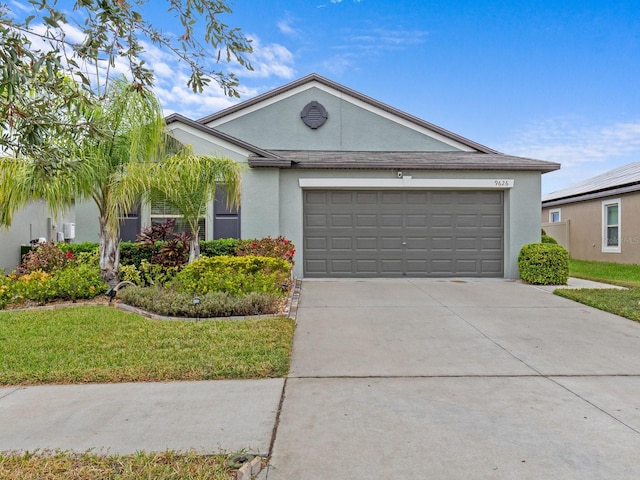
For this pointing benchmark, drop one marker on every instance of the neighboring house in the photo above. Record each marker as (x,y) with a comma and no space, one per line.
(361,188)
(32,223)
(598,219)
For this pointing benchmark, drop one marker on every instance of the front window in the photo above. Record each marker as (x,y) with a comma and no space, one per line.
(161,211)
(554,216)
(611,227)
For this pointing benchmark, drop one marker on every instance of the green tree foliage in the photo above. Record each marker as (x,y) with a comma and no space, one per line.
(48,77)
(110,168)
(197,176)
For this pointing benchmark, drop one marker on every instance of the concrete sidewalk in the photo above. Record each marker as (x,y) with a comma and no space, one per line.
(206,417)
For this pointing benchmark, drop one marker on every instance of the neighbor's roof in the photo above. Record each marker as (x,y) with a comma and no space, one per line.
(619,180)
(405,160)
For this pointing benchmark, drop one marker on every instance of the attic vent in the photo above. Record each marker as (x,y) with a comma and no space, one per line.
(314,115)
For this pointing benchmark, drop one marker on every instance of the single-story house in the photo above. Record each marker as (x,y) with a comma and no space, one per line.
(361,188)
(597,219)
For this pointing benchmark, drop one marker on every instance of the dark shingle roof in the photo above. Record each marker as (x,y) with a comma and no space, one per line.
(405,160)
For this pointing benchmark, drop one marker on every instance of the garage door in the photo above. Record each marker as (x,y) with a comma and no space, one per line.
(403,233)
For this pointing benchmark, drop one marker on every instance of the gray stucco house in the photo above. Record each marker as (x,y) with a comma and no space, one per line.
(361,188)
(365,190)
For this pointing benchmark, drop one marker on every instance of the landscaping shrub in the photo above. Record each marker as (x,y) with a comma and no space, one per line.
(36,286)
(278,247)
(234,275)
(6,290)
(544,264)
(130,273)
(214,304)
(548,239)
(219,248)
(78,248)
(132,253)
(44,257)
(169,249)
(82,281)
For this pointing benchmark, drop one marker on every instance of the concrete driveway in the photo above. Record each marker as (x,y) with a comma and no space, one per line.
(457,379)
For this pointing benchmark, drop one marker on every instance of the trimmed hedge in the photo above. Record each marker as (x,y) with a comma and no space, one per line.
(234,275)
(544,264)
(219,248)
(548,239)
(133,253)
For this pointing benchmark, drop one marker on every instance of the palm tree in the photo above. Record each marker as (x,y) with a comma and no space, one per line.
(187,182)
(110,167)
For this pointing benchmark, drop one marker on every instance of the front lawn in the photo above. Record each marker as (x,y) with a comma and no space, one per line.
(624,275)
(103,344)
(89,466)
(625,303)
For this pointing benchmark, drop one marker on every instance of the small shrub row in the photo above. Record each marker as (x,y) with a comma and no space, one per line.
(234,275)
(214,304)
(133,253)
(544,264)
(80,281)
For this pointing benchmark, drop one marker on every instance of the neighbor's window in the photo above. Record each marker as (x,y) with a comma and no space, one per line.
(611,226)
(554,216)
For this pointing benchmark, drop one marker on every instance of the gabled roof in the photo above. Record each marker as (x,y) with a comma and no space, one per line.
(402,160)
(623,179)
(346,91)
(177,118)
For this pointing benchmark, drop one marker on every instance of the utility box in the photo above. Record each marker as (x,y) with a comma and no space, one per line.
(69,230)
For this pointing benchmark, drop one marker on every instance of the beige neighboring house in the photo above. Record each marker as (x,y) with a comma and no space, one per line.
(598,219)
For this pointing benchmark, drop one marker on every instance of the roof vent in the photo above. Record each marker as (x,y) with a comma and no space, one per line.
(314,115)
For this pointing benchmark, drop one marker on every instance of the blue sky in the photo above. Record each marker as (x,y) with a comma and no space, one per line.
(549,79)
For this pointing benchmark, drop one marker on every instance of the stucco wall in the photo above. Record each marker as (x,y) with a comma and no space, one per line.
(586,229)
(348,127)
(31,222)
(260,211)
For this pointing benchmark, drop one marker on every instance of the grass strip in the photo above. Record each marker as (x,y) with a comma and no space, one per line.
(625,275)
(625,303)
(168,465)
(95,344)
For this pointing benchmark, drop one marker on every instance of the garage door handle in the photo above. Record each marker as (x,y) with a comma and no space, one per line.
(404,243)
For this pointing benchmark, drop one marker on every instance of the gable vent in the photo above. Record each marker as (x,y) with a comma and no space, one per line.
(314,115)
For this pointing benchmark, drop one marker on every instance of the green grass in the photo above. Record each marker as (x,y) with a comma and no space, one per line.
(104,345)
(615,273)
(88,466)
(625,303)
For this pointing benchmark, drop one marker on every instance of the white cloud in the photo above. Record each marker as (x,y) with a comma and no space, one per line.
(171,76)
(286,27)
(268,60)
(570,141)
(584,150)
